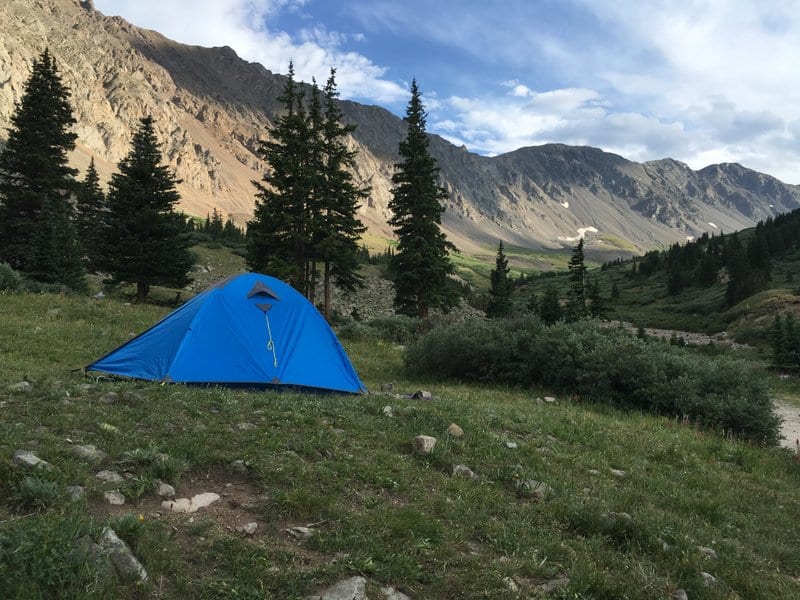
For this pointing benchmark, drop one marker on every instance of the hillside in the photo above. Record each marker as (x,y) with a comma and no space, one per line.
(211,108)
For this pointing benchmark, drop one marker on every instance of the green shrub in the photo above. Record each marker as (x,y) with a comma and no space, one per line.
(10,280)
(602,365)
(36,493)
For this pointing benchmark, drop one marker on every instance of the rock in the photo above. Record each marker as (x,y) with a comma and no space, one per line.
(109,398)
(85,388)
(298,532)
(185,505)
(530,488)
(548,587)
(623,516)
(549,400)
(128,567)
(462,471)
(163,490)
(114,497)
(679,594)
(109,476)
(389,593)
(99,296)
(423,444)
(89,453)
(708,579)
(109,428)
(239,466)
(707,552)
(246,426)
(387,387)
(388,411)
(422,395)
(594,472)
(28,460)
(248,528)
(22,386)
(86,551)
(510,584)
(354,588)
(75,492)
(454,430)
(511,445)
(618,473)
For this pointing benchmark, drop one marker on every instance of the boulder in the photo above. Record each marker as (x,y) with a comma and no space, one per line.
(423,444)
(28,460)
(114,497)
(109,476)
(354,588)
(127,565)
(89,453)
(454,430)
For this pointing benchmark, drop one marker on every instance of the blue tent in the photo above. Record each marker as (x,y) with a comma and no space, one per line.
(249,329)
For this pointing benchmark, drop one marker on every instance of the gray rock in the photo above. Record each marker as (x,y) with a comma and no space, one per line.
(708,579)
(163,490)
(594,472)
(354,588)
(186,505)
(707,552)
(389,593)
(423,444)
(109,398)
(246,426)
(114,497)
(510,585)
(28,460)
(548,587)
(454,430)
(109,476)
(530,488)
(99,296)
(511,445)
(298,532)
(549,400)
(86,551)
(75,492)
(22,386)
(612,516)
(239,466)
(618,473)
(387,387)
(679,594)
(388,411)
(127,565)
(462,471)
(89,453)
(248,528)
(422,395)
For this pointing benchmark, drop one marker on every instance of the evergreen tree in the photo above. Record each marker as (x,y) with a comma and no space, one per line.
(614,291)
(215,225)
(549,307)
(500,290)
(33,165)
(576,308)
(90,217)
(596,305)
(421,267)
(341,229)
(278,236)
(147,241)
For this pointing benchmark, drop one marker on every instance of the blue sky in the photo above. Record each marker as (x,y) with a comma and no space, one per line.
(701,81)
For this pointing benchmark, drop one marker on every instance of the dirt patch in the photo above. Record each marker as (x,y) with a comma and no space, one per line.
(790,428)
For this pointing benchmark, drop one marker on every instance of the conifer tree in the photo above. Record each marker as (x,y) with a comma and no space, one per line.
(56,256)
(33,165)
(596,305)
(500,290)
(549,308)
(90,217)
(147,240)
(577,277)
(421,267)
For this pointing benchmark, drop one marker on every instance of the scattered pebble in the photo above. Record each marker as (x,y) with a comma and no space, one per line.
(530,488)
(22,386)
(89,453)
(248,528)
(109,398)
(109,476)
(511,445)
(114,497)
(299,532)
(423,444)
(387,387)
(708,579)
(75,492)
(510,584)
(462,471)
(28,460)
(354,588)
(707,552)
(454,430)
(618,473)
(163,490)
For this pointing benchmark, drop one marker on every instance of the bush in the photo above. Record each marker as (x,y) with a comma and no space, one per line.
(10,280)
(602,365)
(36,493)
(397,329)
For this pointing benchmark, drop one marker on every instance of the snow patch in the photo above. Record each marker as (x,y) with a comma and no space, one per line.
(565,204)
(712,225)
(772,206)
(689,238)
(581,234)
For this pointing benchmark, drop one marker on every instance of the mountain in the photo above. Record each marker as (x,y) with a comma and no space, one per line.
(211,108)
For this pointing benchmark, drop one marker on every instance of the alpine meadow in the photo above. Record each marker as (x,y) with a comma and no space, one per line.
(269,336)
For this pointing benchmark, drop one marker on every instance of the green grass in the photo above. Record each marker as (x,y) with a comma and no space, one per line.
(381,510)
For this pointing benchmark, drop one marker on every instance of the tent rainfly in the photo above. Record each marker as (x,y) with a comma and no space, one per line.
(250,330)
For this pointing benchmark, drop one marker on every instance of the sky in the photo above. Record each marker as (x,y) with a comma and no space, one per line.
(700,81)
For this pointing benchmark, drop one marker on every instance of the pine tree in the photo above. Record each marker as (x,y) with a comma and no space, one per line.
(500,290)
(215,225)
(56,254)
(147,240)
(614,291)
(90,217)
(33,165)
(577,276)
(549,308)
(596,304)
(421,267)
(278,236)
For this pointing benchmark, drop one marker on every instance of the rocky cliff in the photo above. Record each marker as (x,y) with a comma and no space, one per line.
(211,107)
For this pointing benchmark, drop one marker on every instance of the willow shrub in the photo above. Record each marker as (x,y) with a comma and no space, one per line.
(597,364)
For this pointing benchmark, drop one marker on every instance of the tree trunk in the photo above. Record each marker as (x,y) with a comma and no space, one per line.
(142,290)
(327,285)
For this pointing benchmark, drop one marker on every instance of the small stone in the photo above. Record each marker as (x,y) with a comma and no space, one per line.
(623,516)
(618,473)
(664,545)
(75,492)
(423,444)
(454,430)
(387,387)
(680,594)
(510,584)
(594,472)
(707,552)
(248,528)
(99,296)
(298,532)
(163,490)
(389,593)
(185,505)
(246,426)
(462,471)
(109,428)
(22,386)
(89,453)
(127,565)
(548,587)
(109,476)
(86,551)
(549,400)
(539,400)
(354,588)
(530,488)
(28,460)
(239,466)
(114,497)
(708,579)
(422,395)
(109,398)
(388,411)
(511,445)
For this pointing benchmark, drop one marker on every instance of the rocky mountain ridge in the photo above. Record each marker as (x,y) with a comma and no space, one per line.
(211,108)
